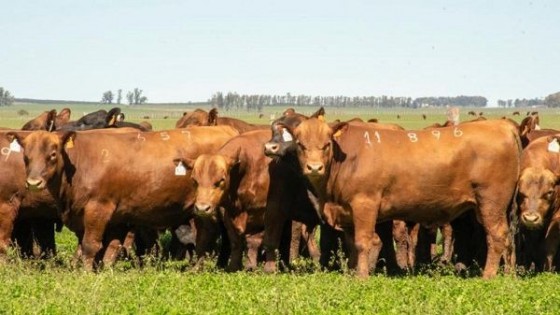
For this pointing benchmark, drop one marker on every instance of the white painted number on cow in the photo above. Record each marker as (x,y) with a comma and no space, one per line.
(457,132)
(378,136)
(436,133)
(187,133)
(6,151)
(413,137)
(104,155)
(164,136)
(180,170)
(366,136)
(140,137)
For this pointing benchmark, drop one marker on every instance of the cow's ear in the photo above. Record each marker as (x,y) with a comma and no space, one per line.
(339,129)
(121,117)
(285,131)
(231,162)
(289,112)
(213,117)
(67,139)
(112,116)
(51,117)
(188,163)
(63,117)
(319,113)
(15,136)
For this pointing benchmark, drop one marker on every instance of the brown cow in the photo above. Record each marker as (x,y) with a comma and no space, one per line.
(400,185)
(237,178)
(100,183)
(200,117)
(49,120)
(539,198)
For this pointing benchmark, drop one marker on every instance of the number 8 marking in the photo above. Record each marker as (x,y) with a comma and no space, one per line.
(413,137)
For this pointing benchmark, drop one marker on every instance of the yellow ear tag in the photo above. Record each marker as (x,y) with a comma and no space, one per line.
(70,143)
(337,134)
(321,118)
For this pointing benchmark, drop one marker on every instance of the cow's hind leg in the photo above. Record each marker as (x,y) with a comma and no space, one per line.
(493,217)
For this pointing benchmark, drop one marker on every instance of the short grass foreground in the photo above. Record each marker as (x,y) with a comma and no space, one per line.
(29,290)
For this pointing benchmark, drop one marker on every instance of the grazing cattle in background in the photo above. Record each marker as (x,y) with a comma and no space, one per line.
(373,120)
(480,113)
(102,185)
(534,113)
(48,120)
(200,117)
(471,113)
(337,161)
(516,113)
(398,116)
(96,120)
(529,130)
(146,117)
(538,199)
(424,116)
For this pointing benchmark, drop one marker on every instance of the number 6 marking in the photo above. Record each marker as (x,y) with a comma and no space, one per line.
(457,132)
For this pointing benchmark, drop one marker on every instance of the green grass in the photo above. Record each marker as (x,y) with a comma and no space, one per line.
(162,287)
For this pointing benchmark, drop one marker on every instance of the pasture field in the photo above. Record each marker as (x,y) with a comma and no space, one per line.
(54,286)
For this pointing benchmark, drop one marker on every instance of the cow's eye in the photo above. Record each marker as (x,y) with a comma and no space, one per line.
(301,146)
(326,147)
(219,183)
(548,194)
(52,156)
(195,183)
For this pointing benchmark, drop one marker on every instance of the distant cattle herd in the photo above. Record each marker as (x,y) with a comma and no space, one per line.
(249,194)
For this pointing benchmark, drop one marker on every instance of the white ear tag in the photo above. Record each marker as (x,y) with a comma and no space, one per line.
(14,146)
(180,170)
(554,146)
(286,136)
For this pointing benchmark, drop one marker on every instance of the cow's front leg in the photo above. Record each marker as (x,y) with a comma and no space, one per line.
(364,212)
(96,218)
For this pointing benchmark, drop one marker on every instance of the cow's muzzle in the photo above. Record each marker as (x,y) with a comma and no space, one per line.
(271,148)
(34,183)
(315,169)
(203,209)
(532,220)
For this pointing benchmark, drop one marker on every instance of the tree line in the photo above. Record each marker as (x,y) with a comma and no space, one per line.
(133,97)
(233,100)
(6,98)
(521,102)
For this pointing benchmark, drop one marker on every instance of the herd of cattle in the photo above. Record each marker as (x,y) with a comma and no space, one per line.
(375,192)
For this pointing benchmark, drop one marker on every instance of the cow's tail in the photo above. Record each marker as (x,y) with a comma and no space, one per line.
(513,218)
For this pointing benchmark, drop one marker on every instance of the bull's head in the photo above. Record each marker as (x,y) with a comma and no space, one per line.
(211,177)
(314,139)
(536,196)
(42,155)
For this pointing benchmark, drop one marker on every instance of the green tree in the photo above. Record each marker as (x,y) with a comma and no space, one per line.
(6,98)
(552,100)
(107,97)
(130,98)
(119,96)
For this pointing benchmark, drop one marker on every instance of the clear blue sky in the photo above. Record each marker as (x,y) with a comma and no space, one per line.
(180,51)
